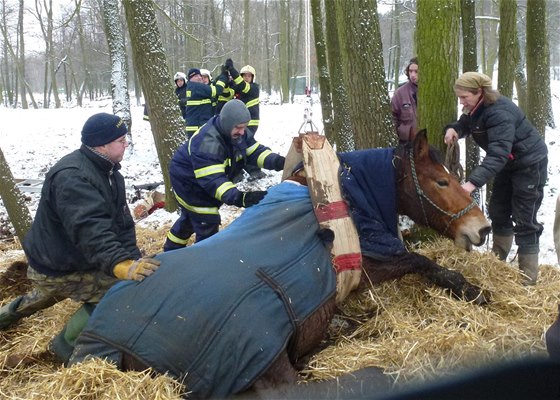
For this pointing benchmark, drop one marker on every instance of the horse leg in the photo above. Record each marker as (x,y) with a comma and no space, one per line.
(414,263)
(310,333)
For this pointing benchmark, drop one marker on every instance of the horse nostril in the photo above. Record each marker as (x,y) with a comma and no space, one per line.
(484,232)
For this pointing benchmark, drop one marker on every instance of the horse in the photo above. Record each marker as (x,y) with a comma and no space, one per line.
(225,318)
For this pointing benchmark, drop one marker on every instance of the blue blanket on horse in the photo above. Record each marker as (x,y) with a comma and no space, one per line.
(217,314)
(368,183)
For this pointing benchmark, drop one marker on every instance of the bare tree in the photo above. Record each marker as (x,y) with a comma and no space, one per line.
(438,22)
(364,73)
(538,75)
(508,41)
(341,120)
(151,64)
(119,64)
(13,200)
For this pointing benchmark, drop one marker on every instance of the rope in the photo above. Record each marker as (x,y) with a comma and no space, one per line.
(453,161)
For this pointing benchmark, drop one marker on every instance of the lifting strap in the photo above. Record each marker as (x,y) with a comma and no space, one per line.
(321,166)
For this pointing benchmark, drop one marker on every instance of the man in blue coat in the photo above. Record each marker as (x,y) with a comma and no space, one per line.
(202,170)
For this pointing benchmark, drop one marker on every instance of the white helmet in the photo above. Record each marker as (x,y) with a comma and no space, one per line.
(250,70)
(180,75)
(205,72)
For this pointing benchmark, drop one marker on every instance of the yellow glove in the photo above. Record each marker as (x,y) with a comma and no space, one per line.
(136,270)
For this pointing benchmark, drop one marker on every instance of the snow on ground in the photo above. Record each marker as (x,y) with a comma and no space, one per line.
(33,140)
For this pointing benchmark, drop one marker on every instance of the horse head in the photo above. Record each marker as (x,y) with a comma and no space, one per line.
(429,195)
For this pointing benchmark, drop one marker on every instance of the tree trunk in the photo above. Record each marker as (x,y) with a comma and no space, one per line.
(437,22)
(119,65)
(322,66)
(341,122)
(13,200)
(506,53)
(284,58)
(468,25)
(167,124)
(21,50)
(538,75)
(246,32)
(364,73)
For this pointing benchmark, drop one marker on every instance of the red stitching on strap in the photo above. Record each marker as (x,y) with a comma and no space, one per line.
(327,212)
(348,261)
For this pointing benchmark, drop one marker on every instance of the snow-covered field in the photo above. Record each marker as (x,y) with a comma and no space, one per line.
(33,140)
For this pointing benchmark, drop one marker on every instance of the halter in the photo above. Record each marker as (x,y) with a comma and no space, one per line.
(422,195)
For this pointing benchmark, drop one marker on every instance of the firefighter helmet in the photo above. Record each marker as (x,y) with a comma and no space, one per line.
(248,69)
(180,75)
(205,72)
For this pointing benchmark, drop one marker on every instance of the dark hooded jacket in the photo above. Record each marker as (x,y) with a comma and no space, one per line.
(83,222)
(511,142)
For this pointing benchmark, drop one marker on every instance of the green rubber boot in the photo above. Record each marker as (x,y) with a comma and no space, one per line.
(9,315)
(62,345)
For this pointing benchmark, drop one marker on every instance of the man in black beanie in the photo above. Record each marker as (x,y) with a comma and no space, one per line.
(83,238)
(202,170)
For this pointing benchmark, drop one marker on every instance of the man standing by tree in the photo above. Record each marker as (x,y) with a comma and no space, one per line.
(83,237)
(403,104)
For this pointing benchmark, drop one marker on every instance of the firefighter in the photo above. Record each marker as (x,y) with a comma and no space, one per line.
(202,170)
(200,97)
(181,91)
(248,92)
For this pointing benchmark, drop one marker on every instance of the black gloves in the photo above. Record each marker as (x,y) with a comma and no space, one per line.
(279,163)
(229,63)
(225,69)
(233,72)
(252,198)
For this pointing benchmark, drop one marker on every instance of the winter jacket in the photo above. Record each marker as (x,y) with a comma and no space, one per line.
(403,107)
(249,93)
(83,222)
(202,169)
(506,135)
(226,96)
(181,93)
(200,99)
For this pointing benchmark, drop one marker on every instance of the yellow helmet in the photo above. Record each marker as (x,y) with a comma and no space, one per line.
(248,69)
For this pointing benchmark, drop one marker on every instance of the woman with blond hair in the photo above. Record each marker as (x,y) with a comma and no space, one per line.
(516,158)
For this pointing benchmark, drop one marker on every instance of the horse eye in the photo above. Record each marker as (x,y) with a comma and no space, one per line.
(443,182)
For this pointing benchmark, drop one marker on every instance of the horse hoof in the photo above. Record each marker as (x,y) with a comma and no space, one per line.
(477,296)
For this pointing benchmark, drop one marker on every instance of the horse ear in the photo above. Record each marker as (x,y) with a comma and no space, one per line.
(421,145)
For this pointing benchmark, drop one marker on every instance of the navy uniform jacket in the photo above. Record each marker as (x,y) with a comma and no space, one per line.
(249,93)
(200,99)
(181,93)
(202,169)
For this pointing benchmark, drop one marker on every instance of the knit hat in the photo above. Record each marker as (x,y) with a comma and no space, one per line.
(474,80)
(193,72)
(102,128)
(234,112)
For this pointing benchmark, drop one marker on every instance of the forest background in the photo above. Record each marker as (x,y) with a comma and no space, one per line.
(349,52)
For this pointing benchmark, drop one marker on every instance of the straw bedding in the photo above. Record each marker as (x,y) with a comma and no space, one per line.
(411,330)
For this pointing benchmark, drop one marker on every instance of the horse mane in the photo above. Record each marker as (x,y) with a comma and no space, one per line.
(406,148)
